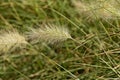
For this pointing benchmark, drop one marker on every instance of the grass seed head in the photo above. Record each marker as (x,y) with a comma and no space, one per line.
(100,9)
(49,34)
(11,40)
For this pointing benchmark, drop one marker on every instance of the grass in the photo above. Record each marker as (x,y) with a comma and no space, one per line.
(91,54)
(50,34)
(10,41)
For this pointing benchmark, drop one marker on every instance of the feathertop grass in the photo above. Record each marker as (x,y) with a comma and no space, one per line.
(10,41)
(102,9)
(50,34)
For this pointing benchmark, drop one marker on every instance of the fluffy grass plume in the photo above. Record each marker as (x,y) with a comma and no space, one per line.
(11,40)
(102,9)
(50,34)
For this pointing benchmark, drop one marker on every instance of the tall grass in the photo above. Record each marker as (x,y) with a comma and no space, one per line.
(89,51)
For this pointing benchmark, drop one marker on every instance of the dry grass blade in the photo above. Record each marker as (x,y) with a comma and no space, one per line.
(50,34)
(11,40)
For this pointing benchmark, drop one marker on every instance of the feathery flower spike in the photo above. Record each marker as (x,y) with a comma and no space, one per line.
(102,9)
(50,34)
(11,40)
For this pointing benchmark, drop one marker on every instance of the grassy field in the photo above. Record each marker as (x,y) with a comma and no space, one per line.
(93,52)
